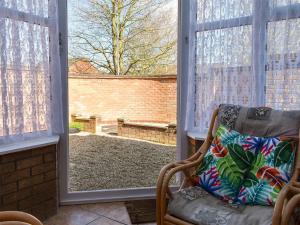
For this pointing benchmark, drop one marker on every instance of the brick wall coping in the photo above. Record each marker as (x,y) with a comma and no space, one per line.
(29,144)
(85,117)
(95,76)
(157,125)
(147,124)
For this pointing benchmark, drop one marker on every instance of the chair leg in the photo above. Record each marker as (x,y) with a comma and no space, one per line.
(159,216)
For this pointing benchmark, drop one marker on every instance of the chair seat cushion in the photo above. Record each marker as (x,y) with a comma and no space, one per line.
(197,206)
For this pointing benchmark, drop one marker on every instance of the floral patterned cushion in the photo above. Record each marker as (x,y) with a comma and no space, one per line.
(271,170)
(226,163)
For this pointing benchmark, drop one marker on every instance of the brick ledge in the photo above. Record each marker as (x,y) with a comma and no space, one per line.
(28,144)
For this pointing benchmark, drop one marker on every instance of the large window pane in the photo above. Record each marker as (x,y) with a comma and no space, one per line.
(283,74)
(122,107)
(24,68)
(215,10)
(223,70)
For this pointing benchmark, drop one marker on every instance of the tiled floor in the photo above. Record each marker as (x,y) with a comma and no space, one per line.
(92,214)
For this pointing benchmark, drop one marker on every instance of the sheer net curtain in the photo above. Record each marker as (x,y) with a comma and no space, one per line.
(247,52)
(30,79)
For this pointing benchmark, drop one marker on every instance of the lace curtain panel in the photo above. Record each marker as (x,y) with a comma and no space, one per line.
(30,80)
(247,52)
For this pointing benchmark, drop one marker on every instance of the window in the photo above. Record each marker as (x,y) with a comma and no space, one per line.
(246,52)
(29,70)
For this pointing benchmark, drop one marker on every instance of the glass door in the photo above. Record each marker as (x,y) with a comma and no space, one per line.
(122,97)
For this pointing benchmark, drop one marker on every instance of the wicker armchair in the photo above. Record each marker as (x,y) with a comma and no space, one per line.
(18,218)
(287,202)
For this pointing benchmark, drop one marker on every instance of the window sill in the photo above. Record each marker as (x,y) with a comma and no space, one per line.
(29,144)
(196,135)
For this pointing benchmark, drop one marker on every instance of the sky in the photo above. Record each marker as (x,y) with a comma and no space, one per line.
(74,4)
(170,4)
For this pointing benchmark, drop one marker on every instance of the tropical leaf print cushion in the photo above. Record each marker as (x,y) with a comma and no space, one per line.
(270,171)
(226,163)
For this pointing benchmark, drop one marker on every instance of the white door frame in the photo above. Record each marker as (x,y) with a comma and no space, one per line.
(182,146)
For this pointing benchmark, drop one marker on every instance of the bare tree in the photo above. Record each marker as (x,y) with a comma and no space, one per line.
(124,37)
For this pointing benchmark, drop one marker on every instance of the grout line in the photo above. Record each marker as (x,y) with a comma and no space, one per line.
(94,219)
(104,217)
(115,220)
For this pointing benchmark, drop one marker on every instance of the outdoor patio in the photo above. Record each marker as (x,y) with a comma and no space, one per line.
(108,162)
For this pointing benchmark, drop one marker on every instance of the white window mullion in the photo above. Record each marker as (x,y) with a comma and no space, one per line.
(192,60)
(285,13)
(259,55)
(186,50)
(23,16)
(4,78)
(222,24)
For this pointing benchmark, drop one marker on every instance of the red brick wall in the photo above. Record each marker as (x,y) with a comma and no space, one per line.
(28,182)
(193,146)
(150,99)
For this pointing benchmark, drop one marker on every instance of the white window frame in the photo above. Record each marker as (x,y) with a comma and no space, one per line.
(259,20)
(66,197)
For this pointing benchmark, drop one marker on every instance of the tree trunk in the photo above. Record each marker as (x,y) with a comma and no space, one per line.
(115,37)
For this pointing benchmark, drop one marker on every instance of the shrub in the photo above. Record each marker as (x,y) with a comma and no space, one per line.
(76,125)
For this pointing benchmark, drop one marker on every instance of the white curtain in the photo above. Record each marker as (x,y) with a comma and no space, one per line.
(247,52)
(30,78)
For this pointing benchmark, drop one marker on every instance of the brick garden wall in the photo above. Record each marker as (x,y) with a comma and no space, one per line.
(28,182)
(160,134)
(151,99)
(89,124)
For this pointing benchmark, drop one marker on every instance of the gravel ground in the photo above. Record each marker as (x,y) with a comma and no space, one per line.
(101,162)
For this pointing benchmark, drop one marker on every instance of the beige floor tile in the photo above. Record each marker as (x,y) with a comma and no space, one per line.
(116,211)
(147,224)
(104,221)
(71,215)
